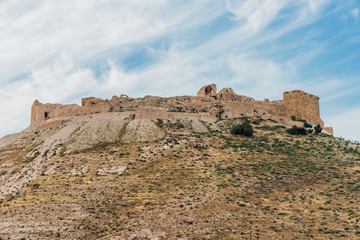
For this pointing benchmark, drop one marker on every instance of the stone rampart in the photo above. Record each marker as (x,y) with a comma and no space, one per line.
(303,105)
(41,112)
(207,105)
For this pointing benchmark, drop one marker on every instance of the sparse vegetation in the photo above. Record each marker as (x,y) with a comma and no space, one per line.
(267,127)
(210,185)
(242,129)
(295,130)
(294,118)
(317,129)
(29,159)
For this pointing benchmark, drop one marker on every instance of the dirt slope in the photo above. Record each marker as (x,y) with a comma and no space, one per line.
(106,177)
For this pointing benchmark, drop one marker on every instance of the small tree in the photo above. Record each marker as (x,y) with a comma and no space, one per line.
(318,129)
(237,129)
(248,130)
(242,129)
(296,130)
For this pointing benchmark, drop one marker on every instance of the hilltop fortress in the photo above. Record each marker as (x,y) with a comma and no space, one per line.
(56,129)
(208,105)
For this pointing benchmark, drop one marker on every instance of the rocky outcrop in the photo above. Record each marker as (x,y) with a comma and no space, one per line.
(141,131)
(119,170)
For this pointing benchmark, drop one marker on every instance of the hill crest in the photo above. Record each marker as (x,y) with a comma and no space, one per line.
(138,174)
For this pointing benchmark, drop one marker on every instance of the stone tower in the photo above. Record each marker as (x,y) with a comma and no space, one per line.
(303,106)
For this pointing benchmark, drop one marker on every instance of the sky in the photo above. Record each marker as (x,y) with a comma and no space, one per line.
(61,51)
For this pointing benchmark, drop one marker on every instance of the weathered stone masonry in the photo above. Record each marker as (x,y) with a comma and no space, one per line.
(303,106)
(207,105)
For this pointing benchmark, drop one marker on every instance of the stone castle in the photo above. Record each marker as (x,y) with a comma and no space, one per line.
(208,105)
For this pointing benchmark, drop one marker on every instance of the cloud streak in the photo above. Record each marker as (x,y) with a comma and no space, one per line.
(355,14)
(62,51)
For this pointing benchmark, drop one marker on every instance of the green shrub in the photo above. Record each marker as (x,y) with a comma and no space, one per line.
(29,159)
(242,129)
(301,120)
(257,120)
(248,131)
(318,129)
(296,130)
(267,127)
(237,129)
(294,118)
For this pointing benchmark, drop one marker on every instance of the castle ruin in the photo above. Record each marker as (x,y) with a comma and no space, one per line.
(207,105)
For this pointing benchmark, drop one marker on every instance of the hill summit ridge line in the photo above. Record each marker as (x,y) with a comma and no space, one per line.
(208,105)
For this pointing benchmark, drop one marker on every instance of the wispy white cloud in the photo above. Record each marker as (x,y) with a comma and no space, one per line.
(41,31)
(257,13)
(316,5)
(355,14)
(62,51)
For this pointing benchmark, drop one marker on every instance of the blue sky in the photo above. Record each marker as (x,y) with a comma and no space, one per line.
(60,51)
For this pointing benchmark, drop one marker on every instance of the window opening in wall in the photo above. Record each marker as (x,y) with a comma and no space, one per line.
(208,90)
(46,115)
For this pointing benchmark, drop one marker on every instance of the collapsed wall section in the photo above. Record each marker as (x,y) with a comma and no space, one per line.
(40,112)
(207,91)
(234,109)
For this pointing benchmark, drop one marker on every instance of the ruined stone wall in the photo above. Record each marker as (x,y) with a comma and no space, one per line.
(252,108)
(328,130)
(207,105)
(150,113)
(40,112)
(207,91)
(303,106)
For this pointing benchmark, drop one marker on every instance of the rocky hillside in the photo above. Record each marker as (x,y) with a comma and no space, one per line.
(105,177)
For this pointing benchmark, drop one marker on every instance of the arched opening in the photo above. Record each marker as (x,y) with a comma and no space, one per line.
(208,90)
(46,115)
